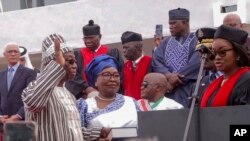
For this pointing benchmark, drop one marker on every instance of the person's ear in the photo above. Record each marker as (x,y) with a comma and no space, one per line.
(241,25)
(158,87)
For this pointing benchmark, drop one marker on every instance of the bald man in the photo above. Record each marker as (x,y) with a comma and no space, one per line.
(234,20)
(13,80)
(153,88)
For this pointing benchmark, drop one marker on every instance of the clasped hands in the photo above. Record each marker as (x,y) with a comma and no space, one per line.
(174,80)
(6,118)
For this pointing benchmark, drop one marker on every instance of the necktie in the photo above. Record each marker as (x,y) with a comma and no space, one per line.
(10,77)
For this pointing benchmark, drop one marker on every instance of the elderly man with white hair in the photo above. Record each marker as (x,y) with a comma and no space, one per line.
(13,80)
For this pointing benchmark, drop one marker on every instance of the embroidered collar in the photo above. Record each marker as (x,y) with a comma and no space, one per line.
(98,48)
(115,105)
(155,104)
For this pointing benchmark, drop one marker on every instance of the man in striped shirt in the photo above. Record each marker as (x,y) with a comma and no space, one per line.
(48,102)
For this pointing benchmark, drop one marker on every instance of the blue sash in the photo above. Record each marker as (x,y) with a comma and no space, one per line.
(176,55)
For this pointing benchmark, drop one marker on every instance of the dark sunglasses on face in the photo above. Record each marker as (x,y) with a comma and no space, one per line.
(221,53)
(107,75)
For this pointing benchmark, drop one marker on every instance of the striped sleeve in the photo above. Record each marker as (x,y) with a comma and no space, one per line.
(37,93)
(91,134)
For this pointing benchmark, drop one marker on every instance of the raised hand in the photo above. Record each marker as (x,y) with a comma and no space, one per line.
(58,53)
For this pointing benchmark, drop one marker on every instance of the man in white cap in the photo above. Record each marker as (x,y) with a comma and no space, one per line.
(48,102)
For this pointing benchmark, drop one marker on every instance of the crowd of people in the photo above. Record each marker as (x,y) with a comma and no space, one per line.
(79,94)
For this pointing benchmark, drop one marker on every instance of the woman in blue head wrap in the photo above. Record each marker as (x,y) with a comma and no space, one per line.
(108,108)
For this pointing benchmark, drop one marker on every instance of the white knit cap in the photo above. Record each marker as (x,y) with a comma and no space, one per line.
(48,52)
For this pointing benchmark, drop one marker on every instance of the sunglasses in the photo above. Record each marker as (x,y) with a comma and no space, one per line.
(221,53)
(145,84)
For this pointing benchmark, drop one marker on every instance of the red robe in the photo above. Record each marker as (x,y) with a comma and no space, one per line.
(88,55)
(134,78)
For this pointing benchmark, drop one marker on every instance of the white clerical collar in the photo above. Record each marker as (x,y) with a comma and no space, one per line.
(138,60)
(98,48)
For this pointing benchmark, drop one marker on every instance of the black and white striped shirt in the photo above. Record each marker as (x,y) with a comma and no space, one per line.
(54,108)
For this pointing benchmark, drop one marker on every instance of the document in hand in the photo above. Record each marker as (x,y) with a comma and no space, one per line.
(123,132)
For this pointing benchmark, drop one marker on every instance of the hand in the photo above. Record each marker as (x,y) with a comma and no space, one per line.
(169,88)
(3,118)
(174,79)
(58,53)
(180,76)
(105,132)
(90,92)
(13,118)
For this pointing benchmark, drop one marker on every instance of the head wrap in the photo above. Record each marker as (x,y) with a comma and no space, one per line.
(158,30)
(130,36)
(48,51)
(205,36)
(25,55)
(231,34)
(179,14)
(91,29)
(96,66)
(23,51)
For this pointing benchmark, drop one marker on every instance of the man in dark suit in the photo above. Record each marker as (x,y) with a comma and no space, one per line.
(12,82)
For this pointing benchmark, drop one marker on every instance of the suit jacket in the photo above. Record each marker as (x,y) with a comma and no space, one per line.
(10,101)
(203,85)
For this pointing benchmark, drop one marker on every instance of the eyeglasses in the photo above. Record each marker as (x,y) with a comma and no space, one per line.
(221,53)
(107,75)
(145,84)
